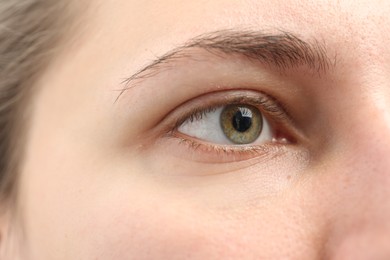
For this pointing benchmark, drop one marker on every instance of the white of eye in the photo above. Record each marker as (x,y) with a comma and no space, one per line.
(208,128)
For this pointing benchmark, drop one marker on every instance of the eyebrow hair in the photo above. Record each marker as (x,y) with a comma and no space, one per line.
(283,51)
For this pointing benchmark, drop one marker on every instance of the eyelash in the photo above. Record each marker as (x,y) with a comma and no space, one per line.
(267,103)
(269,107)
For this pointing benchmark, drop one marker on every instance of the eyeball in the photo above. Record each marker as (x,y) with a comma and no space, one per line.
(235,124)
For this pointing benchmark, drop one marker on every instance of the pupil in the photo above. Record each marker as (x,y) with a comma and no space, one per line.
(241,122)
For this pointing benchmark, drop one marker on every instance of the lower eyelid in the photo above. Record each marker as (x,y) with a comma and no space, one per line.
(186,147)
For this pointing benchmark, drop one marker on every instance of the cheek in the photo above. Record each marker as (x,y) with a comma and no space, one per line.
(153,231)
(69,213)
(122,217)
(166,230)
(161,229)
(138,219)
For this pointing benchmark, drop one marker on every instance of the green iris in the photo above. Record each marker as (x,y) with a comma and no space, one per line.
(242,124)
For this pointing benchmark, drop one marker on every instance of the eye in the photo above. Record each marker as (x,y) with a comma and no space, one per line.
(229,126)
(235,124)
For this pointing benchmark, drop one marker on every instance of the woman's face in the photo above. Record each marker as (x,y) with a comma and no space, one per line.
(213,130)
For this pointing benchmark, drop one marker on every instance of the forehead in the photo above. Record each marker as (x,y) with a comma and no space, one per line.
(141,30)
(189,17)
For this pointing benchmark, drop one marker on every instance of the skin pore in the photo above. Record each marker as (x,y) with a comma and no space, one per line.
(107,174)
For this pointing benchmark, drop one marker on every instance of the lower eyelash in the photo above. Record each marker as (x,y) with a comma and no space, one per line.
(230,153)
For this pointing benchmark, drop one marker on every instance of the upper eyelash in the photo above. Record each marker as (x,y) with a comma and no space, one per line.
(198,114)
(267,103)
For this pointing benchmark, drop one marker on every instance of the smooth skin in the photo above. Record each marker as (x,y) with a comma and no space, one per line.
(101,180)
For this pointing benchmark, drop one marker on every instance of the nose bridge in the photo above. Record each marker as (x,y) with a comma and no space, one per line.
(362,229)
(367,129)
(371,168)
(369,153)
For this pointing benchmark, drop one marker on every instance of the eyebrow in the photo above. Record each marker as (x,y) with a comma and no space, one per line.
(283,51)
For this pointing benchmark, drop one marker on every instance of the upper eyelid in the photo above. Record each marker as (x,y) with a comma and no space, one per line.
(282,51)
(269,106)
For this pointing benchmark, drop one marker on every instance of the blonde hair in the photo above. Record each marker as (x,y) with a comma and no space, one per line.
(29,30)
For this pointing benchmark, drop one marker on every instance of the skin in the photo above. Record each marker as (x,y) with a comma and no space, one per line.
(100,180)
